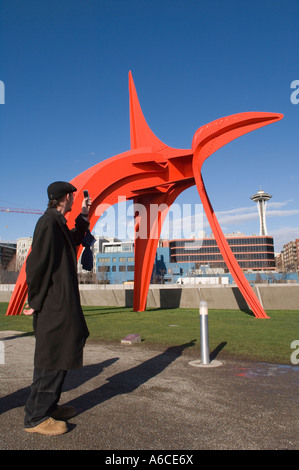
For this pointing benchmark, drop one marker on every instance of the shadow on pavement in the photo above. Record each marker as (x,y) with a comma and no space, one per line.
(121,383)
(127,381)
(19,398)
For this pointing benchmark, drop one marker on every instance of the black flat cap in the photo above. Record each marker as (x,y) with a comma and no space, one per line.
(59,189)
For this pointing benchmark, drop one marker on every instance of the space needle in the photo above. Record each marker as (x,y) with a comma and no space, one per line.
(261,199)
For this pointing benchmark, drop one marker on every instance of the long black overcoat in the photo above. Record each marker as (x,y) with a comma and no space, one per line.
(51,271)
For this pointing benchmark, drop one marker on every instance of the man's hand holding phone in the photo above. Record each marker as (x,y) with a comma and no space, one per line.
(86,203)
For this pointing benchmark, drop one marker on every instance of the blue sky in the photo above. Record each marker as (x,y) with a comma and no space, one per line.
(65,64)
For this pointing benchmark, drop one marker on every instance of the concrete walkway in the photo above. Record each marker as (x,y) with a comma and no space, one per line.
(141,398)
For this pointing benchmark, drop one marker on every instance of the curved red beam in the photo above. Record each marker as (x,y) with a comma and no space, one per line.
(206,141)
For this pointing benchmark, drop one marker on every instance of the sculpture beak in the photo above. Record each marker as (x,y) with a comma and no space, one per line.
(210,137)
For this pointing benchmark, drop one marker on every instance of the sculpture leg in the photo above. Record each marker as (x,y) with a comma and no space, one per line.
(226,251)
(147,233)
(19,294)
(145,251)
(151,220)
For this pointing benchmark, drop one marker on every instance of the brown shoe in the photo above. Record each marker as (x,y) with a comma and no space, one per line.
(49,427)
(64,412)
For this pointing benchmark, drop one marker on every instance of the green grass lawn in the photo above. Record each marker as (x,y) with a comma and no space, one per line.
(234,333)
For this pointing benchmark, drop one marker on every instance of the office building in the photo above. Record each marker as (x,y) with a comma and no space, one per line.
(7,254)
(188,257)
(253,253)
(23,246)
(290,256)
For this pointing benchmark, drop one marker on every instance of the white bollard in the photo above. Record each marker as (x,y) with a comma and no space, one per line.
(204,332)
(204,340)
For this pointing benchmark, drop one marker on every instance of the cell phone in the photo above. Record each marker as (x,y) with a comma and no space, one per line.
(85,193)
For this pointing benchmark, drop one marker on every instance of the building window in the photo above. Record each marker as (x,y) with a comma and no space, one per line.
(103,269)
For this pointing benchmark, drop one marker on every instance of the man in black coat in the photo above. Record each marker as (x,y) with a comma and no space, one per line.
(53,299)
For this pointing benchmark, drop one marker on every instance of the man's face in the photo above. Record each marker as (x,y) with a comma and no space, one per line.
(69,202)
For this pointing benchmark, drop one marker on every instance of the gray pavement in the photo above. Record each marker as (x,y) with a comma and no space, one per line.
(141,398)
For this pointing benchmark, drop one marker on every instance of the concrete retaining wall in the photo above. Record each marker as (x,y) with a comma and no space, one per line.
(272,297)
(5,292)
(285,297)
(278,297)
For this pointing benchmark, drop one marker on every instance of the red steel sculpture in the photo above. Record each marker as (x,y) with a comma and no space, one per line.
(153,173)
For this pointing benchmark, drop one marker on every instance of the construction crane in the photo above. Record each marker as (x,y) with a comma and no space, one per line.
(22,211)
